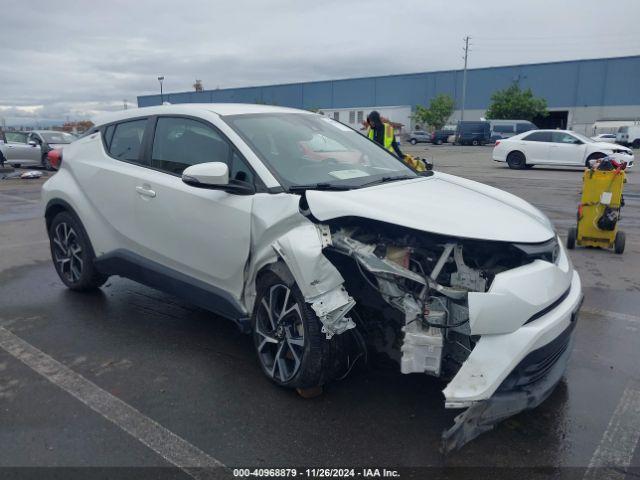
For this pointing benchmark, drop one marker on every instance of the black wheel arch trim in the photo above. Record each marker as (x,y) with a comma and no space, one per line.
(142,270)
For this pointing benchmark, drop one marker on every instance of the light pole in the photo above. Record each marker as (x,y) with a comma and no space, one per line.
(161,79)
(464,76)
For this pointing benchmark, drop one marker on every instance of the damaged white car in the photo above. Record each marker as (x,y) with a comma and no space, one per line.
(323,246)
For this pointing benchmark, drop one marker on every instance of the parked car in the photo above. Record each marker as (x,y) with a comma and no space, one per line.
(319,259)
(501,129)
(18,150)
(441,136)
(49,140)
(473,133)
(629,136)
(605,137)
(555,147)
(419,136)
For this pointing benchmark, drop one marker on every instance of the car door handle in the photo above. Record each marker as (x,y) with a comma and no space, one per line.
(145,191)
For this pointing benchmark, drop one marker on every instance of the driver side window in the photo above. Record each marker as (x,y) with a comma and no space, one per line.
(181,142)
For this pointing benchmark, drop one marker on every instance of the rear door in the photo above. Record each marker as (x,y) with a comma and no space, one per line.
(565,149)
(201,233)
(110,168)
(536,146)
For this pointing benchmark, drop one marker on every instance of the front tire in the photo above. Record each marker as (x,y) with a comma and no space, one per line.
(413,141)
(291,348)
(516,160)
(72,254)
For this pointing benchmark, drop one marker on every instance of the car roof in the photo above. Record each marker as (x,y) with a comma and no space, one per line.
(194,109)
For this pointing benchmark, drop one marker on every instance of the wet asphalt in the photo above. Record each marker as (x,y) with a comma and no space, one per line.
(196,375)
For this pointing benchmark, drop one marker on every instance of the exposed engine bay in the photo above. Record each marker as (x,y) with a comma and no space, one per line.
(426,278)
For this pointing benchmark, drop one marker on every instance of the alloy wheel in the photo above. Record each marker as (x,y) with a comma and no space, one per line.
(67,252)
(279,333)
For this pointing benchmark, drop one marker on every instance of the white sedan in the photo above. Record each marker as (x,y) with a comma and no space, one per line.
(555,147)
(605,137)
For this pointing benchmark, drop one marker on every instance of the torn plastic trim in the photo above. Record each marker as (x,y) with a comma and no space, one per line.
(319,281)
(484,415)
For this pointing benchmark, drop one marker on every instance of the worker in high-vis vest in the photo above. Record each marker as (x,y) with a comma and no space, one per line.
(382,133)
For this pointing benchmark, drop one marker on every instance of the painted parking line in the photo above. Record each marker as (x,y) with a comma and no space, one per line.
(618,444)
(608,314)
(164,442)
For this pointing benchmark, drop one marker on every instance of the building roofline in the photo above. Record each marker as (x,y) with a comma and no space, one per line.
(395,75)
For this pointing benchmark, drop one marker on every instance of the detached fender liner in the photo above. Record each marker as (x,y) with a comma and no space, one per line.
(526,387)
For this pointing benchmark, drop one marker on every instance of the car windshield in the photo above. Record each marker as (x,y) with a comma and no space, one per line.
(305,150)
(57,137)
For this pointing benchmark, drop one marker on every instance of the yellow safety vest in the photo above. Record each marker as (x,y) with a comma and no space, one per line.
(388,137)
(414,163)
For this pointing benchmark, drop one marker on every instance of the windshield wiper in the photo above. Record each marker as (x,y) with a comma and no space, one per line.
(318,186)
(390,178)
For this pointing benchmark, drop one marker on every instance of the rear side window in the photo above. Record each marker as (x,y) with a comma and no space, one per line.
(538,137)
(181,142)
(127,140)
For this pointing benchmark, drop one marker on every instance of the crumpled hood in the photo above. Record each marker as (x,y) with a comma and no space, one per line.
(610,146)
(442,204)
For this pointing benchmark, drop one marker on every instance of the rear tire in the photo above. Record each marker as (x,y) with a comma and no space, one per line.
(72,254)
(291,348)
(439,142)
(571,238)
(516,160)
(475,143)
(618,244)
(636,143)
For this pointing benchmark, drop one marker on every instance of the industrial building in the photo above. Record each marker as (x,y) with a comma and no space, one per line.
(582,95)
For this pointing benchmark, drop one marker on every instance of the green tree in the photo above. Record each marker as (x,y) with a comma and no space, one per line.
(516,104)
(436,115)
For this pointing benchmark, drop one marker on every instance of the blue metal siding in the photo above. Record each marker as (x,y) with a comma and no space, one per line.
(611,81)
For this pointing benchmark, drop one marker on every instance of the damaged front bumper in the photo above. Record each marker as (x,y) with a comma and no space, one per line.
(529,383)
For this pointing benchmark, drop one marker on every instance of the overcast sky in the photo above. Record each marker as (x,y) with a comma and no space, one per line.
(72,59)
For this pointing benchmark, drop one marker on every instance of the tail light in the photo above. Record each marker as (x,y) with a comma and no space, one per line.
(55,158)
(497,142)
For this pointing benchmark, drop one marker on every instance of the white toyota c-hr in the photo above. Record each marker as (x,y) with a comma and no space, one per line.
(324,247)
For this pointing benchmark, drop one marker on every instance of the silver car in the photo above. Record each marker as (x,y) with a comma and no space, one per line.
(19,150)
(49,140)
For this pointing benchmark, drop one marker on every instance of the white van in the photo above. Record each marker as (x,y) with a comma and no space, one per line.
(629,136)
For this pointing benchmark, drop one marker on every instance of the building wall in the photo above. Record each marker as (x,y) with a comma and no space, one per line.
(592,89)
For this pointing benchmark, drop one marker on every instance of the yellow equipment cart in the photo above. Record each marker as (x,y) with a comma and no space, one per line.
(599,211)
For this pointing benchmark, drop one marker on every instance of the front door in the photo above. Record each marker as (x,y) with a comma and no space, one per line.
(565,149)
(201,233)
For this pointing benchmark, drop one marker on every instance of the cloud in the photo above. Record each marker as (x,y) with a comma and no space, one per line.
(75,58)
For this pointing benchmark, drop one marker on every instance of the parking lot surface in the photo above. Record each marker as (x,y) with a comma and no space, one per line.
(131,377)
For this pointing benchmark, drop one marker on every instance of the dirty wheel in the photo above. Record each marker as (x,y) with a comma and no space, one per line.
(571,238)
(516,160)
(72,254)
(291,348)
(618,244)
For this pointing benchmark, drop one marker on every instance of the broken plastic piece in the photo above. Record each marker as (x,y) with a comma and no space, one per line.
(331,308)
